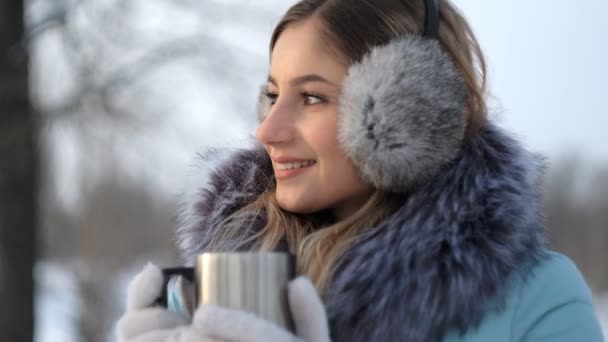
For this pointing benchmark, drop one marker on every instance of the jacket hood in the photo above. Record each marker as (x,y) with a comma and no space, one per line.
(437,263)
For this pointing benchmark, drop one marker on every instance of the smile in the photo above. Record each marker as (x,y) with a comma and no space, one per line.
(288,170)
(296,165)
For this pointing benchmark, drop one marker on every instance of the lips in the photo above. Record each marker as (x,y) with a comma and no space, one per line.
(288,159)
(286,168)
(296,165)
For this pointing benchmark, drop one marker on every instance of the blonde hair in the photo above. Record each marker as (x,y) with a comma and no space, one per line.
(353,27)
(317,243)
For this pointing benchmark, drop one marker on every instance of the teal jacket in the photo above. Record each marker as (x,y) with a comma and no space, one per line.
(550,304)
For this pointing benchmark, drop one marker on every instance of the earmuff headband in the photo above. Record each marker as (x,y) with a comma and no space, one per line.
(431,23)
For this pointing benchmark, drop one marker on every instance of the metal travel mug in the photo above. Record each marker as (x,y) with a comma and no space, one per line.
(249,281)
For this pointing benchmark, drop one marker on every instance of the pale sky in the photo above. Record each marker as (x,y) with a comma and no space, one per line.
(548,70)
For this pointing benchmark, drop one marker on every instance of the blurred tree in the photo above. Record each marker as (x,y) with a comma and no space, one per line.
(576,208)
(109,78)
(119,221)
(18,180)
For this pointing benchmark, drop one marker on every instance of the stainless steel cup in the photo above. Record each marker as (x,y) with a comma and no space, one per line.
(249,281)
(253,282)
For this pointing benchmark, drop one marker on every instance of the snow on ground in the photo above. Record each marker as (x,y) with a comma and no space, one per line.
(56,303)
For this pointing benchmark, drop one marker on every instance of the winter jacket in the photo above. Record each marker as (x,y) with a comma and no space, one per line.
(463,258)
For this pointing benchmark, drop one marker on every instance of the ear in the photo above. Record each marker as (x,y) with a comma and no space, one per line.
(402,113)
(263,104)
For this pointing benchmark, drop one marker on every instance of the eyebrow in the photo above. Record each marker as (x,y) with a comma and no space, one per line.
(303,79)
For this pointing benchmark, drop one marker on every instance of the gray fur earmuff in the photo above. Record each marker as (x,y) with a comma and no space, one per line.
(401,113)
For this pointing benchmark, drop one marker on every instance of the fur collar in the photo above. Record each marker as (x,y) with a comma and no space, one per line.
(438,263)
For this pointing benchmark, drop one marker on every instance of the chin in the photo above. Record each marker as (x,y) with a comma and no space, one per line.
(296,206)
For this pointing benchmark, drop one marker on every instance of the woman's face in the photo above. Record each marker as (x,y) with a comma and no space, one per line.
(303,86)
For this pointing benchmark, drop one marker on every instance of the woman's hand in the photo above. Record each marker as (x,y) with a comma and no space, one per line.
(239,326)
(143,322)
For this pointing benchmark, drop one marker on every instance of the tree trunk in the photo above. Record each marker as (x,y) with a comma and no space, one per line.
(18,181)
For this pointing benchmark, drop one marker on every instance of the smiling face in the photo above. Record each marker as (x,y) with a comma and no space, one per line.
(303,88)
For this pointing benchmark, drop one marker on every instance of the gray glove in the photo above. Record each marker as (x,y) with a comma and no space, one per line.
(144,323)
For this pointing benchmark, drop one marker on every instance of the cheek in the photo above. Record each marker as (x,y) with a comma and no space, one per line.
(322,136)
(333,181)
(341,179)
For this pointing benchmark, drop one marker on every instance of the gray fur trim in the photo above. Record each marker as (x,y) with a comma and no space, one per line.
(402,112)
(246,174)
(445,256)
(440,262)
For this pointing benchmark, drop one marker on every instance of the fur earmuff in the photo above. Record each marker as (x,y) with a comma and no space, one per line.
(401,113)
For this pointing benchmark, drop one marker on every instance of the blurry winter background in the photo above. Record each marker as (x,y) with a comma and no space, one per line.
(127,92)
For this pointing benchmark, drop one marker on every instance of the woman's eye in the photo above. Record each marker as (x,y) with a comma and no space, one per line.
(309,99)
(272,97)
(312,99)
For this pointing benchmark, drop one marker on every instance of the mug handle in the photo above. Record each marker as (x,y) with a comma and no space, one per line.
(186,272)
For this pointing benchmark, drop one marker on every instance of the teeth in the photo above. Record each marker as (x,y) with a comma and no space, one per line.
(295,165)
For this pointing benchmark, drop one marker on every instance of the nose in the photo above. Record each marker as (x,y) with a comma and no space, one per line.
(277,126)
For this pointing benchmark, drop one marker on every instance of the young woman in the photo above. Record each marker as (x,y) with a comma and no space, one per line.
(415,217)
